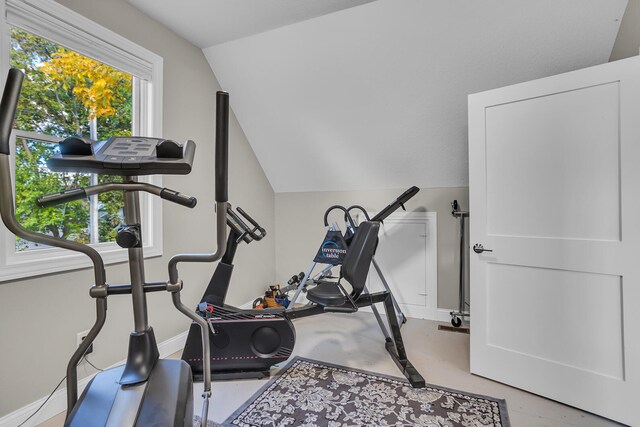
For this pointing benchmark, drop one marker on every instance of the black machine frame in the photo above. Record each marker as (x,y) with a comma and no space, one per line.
(130,394)
(235,332)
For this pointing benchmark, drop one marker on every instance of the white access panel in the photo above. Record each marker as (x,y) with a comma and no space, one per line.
(407,256)
(555,193)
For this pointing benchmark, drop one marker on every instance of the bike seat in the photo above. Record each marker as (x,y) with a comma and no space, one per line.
(326,294)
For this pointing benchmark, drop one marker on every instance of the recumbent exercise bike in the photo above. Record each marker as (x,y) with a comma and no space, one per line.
(246,343)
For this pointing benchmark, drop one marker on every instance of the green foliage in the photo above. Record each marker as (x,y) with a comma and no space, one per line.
(110,206)
(33,180)
(61,105)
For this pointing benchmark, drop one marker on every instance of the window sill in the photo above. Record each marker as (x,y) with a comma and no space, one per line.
(45,261)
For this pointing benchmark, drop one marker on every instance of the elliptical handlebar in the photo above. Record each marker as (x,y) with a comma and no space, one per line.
(60,197)
(8,107)
(222,146)
(72,194)
(221,190)
(221,194)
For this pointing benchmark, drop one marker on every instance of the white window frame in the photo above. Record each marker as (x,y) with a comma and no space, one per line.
(50,20)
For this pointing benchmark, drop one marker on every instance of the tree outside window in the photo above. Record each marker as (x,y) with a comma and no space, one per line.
(65,93)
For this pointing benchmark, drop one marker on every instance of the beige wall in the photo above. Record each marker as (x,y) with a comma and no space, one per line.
(628,41)
(40,317)
(300,229)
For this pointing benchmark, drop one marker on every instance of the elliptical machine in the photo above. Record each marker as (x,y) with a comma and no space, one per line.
(146,390)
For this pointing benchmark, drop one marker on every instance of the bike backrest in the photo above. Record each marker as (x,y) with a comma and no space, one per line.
(355,267)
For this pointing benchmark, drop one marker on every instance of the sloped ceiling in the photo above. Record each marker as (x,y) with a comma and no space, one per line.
(210,22)
(628,41)
(375,96)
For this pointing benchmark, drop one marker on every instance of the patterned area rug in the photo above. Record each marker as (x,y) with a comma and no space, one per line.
(309,393)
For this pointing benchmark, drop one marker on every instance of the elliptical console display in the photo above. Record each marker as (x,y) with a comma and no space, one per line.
(124,155)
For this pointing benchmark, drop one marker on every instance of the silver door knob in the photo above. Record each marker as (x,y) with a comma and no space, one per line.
(478,248)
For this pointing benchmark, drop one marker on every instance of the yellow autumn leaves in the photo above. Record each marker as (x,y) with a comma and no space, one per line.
(98,86)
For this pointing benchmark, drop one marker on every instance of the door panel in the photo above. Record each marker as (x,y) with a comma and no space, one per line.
(574,160)
(538,311)
(555,193)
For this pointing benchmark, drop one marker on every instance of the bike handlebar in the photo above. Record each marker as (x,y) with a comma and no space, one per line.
(248,234)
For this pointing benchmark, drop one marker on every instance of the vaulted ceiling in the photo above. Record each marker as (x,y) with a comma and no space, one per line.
(375,96)
(209,22)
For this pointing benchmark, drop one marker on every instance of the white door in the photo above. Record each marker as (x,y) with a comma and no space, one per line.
(554,177)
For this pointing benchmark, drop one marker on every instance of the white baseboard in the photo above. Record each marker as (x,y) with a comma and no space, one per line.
(170,346)
(418,312)
(58,402)
(444,315)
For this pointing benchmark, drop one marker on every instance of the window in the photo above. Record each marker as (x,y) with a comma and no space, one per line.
(80,79)
(65,93)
